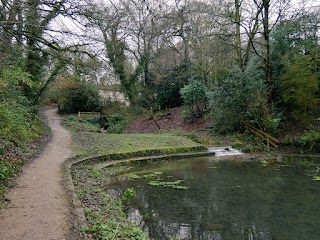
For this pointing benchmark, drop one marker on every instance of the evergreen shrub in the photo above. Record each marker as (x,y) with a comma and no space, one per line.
(194,97)
(240,99)
(78,96)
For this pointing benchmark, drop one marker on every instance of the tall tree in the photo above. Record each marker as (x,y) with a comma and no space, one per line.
(108,21)
(296,62)
(29,26)
(143,27)
(237,19)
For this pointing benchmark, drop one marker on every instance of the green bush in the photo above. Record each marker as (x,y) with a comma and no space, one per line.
(299,85)
(91,120)
(272,124)
(168,94)
(78,96)
(227,103)
(19,124)
(115,118)
(16,123)
(128,195)
(116,123)
(16,111)
(87,125)
(240,99)
(194,97)
(310,140)
(186,113)
(6,172)
(164,91)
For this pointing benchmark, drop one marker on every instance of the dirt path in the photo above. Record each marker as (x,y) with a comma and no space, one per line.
(39,206)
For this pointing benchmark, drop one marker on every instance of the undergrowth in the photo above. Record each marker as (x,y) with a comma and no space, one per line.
(115,123)
(19,131)
(307,141)
(106,214)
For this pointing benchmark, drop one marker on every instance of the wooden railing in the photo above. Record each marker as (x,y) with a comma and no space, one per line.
(265,136)
(88,114)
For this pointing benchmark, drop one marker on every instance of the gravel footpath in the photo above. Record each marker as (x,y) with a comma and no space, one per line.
(39,209)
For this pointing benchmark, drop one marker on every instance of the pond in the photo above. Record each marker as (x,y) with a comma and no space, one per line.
(207,198)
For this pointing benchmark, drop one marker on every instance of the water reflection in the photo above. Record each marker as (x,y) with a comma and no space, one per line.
(226,200)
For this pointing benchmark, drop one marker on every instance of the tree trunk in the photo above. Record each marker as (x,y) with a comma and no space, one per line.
(238,34)
(251,35)
(7,18)
(267,65)
(19,34)
(60,65)
(146,60)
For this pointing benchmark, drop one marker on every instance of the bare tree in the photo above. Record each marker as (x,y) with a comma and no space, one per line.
(27,27)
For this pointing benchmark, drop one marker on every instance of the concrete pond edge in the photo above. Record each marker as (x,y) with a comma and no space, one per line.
(77,213)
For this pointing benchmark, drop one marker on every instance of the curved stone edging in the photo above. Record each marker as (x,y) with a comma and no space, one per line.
(79,219)
(78,216)
(154,158)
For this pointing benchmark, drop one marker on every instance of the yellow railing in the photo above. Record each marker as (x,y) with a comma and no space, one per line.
(265,136)
(88,114)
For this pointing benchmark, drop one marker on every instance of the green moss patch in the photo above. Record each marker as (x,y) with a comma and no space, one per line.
(92,144)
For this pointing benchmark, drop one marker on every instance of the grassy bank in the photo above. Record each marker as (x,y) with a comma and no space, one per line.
(88,141)
(91,144)
(18,146)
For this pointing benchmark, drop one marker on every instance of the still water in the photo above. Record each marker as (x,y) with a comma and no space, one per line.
(226,199)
